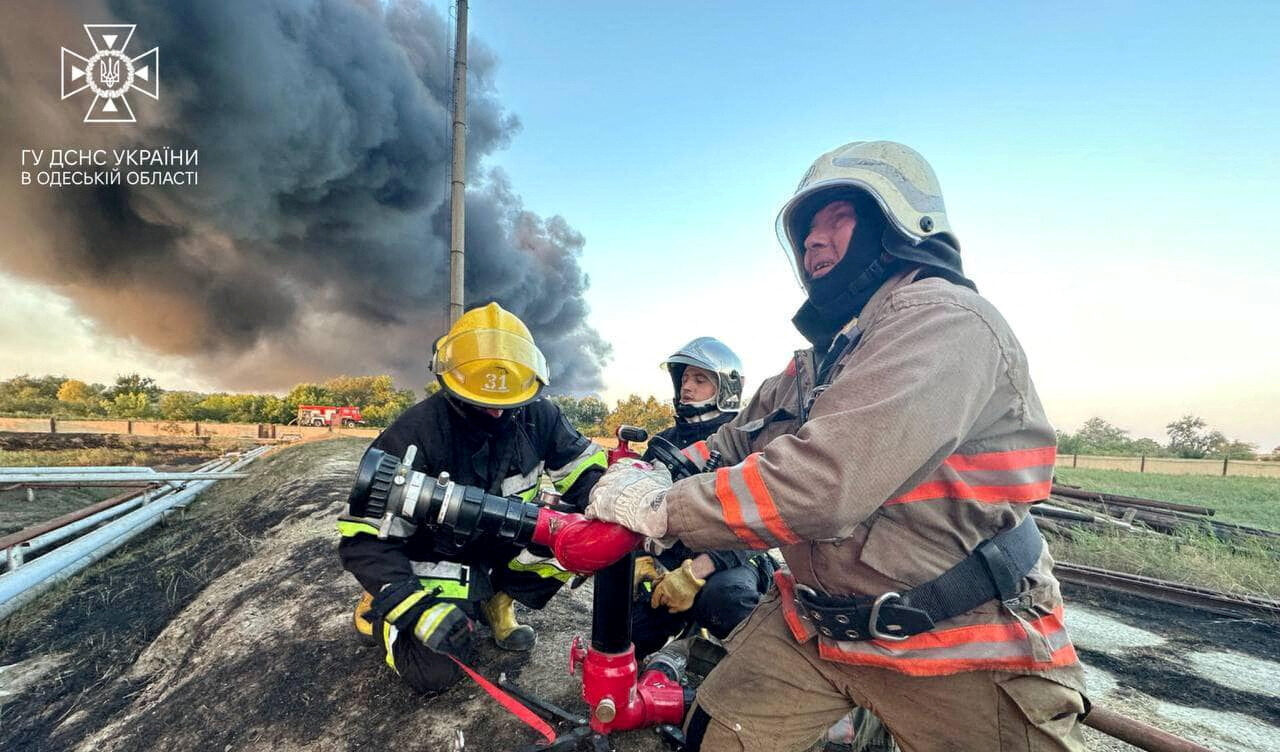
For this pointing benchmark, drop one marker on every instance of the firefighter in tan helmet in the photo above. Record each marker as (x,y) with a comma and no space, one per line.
(487,427)
(894,463)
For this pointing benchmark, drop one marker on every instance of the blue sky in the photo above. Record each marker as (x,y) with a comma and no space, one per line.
(1110,170)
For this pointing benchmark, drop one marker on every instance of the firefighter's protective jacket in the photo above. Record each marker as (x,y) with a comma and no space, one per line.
(926,439)
(535,440)
(682,434)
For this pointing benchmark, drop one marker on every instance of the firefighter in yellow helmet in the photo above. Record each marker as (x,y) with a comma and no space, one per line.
(487,427)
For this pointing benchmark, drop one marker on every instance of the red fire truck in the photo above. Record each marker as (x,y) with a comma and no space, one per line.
(328,415)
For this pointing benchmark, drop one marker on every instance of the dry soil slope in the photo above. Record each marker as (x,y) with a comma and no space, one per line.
(262,656)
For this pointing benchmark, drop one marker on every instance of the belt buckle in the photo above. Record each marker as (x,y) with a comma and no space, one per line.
(874,620)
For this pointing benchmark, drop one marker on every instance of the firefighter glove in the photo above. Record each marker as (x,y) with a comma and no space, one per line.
(677,589)
(633,494)
(648,571)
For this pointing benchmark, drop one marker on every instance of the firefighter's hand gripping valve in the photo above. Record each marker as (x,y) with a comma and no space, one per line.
(620,696)
(387,487)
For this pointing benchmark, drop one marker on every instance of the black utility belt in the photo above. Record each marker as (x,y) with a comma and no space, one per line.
(993,570)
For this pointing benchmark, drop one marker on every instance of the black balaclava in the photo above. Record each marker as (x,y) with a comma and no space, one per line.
(838,296)
(479,419)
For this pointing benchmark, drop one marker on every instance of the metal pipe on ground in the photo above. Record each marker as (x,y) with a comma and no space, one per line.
(1137,733)
(47,533)
(27,533)
(24,584)
(117,477)
(72,527)
(1079,493)
(73,469)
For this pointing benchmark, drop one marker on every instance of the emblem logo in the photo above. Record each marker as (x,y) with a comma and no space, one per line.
(110,74)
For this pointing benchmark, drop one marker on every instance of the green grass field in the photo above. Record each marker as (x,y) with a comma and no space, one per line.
(1238,499)
(1248,566)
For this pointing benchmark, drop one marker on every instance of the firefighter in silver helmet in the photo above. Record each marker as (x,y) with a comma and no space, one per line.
(680,587)
(894,463)
(706,382)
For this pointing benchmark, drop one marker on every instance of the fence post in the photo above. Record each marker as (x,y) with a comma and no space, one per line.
(1074,458)
(1225,460)
(53,424)
(1142,468)
(197,428)
(128,426)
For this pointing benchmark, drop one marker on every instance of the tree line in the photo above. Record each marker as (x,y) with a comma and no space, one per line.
(134,396)
(1189,437)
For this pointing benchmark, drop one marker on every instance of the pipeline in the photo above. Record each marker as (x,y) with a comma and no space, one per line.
(23,479)
(17,546)
(25,583)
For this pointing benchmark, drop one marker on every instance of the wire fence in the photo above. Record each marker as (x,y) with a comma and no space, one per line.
(1172,465)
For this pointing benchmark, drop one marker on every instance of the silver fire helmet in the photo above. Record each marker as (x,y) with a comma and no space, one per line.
(710,354)
(896,176)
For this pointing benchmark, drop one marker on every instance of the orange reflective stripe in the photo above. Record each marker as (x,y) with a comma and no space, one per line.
(1015,459)
(733,511)
(1063,656)
(701,448)
(957,489)
(1001,632)
(764,502)
(802,629)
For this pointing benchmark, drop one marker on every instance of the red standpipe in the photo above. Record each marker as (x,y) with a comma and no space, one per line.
(618,702)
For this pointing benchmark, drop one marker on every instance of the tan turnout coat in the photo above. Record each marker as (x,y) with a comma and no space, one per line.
(928,439)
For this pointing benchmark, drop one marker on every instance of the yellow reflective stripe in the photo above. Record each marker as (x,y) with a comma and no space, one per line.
(448,588)
(528,494)
(542,569)
(430,621)
(405,605)
(348,529)
(595,460)
(387,641)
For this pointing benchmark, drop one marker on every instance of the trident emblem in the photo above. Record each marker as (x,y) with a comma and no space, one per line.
(109,72)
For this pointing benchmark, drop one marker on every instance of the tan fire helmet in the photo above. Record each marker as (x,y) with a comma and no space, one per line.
(896,176)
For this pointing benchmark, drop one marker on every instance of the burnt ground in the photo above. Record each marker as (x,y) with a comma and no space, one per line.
(1210,679)
(1158,672)
(228,629)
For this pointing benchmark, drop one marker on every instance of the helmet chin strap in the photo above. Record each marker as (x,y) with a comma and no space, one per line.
(689,410)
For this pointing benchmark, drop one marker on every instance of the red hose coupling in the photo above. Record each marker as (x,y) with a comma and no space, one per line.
(618,702)
(583,545)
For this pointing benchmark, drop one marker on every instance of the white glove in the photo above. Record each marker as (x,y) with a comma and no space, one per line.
(633,494)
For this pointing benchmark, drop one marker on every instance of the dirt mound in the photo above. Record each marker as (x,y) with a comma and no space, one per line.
(229,629)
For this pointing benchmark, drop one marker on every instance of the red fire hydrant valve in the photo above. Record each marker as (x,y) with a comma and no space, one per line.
(618,702)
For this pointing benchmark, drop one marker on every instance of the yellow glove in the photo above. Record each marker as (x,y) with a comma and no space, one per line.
(677,589)
(648,571)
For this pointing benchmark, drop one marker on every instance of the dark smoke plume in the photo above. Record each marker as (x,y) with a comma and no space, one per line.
(316,242)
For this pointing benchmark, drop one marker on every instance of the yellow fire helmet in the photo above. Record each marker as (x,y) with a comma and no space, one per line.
(488,358)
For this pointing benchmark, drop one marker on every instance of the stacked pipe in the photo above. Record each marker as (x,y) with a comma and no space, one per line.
(1162,516)
(26,582)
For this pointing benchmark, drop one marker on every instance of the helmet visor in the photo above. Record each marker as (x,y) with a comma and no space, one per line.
(474,345)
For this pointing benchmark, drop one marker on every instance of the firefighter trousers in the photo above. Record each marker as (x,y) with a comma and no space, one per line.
(772,694)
